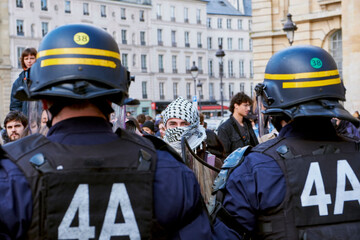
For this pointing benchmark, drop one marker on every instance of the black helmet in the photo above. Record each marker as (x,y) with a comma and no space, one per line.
(78,61)
(303,81)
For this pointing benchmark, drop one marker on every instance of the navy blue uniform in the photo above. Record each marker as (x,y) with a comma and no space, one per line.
(176,191)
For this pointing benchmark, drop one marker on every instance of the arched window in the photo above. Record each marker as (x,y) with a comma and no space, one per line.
(336,49)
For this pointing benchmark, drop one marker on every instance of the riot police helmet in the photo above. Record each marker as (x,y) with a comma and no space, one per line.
(77,62)
(303,81)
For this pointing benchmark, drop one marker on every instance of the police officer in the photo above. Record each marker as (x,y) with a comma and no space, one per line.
(304,184)
(83,181)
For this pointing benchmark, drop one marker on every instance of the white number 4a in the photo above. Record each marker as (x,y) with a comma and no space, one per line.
(321,199)
(80,204)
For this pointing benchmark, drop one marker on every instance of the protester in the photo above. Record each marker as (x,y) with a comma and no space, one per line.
(83,181)
(27,59)
(15,123)
(161,129)
(182,120)
(237,131)
(141,119)
(148,128)
(304,183)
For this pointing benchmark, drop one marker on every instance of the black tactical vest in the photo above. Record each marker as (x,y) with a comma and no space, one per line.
(323,191)
(89,192)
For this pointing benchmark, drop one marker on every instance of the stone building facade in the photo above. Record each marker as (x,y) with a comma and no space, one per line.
(330,24)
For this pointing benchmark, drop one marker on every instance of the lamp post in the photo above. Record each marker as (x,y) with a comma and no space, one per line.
(199,87)
(194,73)
(220,54)
(290,28)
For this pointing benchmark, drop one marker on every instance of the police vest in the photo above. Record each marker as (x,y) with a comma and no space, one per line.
(323,191)
(89,192)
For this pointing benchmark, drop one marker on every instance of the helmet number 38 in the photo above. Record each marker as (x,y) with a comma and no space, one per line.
(80,204)
(321,199)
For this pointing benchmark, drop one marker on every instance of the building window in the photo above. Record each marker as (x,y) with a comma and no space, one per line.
(241,44)
(240,24)
(200,66)
(251,65)
(67,7)
(187,38)
(188,90)
(228,23)
(250,44)
(86,9)
(251,90)
(142,16)
(199,40)
(209,43)
(32,29)
(219,22)
(172,13)
(142,38)
(175,90)
(174,64)
(161,91)
(211,91)
(241,69)
(144,89)
(250,25)
(19,3)
(44,28)
(124,60)
(123,13)
(231,90)
(44,5)
(103,10)
(220,41)
(336,49)
(158,11)
(211,73)
(208,22)
(19,53)
(186,15)
(198,16)
(242,87)
(143,63)
(187,64)
(229,42)
(173,38)
(230,68)
(159,37)
(161,63)
(20,27)
(123,36)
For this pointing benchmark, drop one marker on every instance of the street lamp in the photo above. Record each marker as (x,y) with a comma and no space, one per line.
(199,87)
(220,54)
(290,27)
(194,73)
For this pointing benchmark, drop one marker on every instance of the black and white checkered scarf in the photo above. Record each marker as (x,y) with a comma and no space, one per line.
(185,110)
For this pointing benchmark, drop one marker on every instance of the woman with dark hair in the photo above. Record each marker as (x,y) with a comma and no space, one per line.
(27,59)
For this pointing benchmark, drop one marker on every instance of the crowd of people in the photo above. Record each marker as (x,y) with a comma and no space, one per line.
(170,176)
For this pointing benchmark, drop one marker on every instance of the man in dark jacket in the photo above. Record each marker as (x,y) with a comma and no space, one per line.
(237,131)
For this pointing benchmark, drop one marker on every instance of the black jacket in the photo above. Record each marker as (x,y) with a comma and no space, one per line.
(16,104)
(232,139)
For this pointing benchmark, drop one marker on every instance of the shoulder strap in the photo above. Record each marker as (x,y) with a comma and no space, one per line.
(216,208)
(19,148)
(163,146)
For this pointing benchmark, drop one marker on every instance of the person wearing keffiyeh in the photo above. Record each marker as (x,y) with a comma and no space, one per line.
(182,119)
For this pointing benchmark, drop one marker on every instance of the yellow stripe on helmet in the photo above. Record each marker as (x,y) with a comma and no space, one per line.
(84,51)
(320,83)
(301,75)
(73,61)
